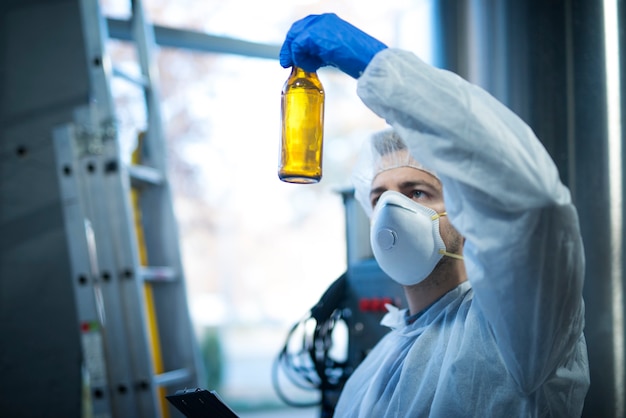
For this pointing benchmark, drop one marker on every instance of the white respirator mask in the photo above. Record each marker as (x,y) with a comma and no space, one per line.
(405,238)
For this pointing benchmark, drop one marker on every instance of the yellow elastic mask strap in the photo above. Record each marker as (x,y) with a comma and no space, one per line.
(444,252)
(451,255)
(438,215)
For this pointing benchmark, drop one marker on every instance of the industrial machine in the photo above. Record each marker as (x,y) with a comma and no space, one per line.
(345,319)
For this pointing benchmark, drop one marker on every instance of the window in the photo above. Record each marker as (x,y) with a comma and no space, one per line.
(258,253)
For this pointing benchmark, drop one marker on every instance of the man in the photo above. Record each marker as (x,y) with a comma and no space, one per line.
(388,166)
(494,280)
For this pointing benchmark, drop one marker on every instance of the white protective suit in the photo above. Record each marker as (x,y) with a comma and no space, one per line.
(509,342)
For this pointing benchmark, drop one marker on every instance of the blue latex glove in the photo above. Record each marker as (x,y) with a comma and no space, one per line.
(319,40)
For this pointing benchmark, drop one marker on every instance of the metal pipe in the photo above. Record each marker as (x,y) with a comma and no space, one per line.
(614,124)
(196,41)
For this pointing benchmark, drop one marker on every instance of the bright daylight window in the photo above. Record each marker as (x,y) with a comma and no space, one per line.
(257,253)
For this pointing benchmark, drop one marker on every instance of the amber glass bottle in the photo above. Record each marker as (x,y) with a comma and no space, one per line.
(302,131)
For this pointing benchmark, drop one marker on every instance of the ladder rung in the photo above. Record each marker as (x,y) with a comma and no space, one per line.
(158,274)
(141,175)
(138,80)
(172,377)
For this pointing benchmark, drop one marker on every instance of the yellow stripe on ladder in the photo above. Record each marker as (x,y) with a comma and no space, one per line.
(151,314)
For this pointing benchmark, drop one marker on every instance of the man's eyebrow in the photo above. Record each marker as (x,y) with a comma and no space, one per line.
(377,191)
(404,185)
(412,183)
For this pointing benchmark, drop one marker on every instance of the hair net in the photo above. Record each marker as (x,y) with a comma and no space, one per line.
(383,151)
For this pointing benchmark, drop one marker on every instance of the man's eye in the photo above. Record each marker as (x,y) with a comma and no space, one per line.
(375,200)
(417,194)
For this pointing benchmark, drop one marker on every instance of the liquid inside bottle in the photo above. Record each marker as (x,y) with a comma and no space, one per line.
(302,132)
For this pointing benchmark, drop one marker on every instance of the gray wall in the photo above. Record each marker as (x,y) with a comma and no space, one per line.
(43,77)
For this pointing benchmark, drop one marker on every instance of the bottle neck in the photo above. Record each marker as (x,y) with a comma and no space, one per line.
(303,79)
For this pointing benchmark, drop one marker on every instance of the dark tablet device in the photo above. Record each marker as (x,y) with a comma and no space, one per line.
(200,403)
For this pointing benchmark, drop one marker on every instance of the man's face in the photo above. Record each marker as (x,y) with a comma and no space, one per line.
(424,189)
(415,184)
